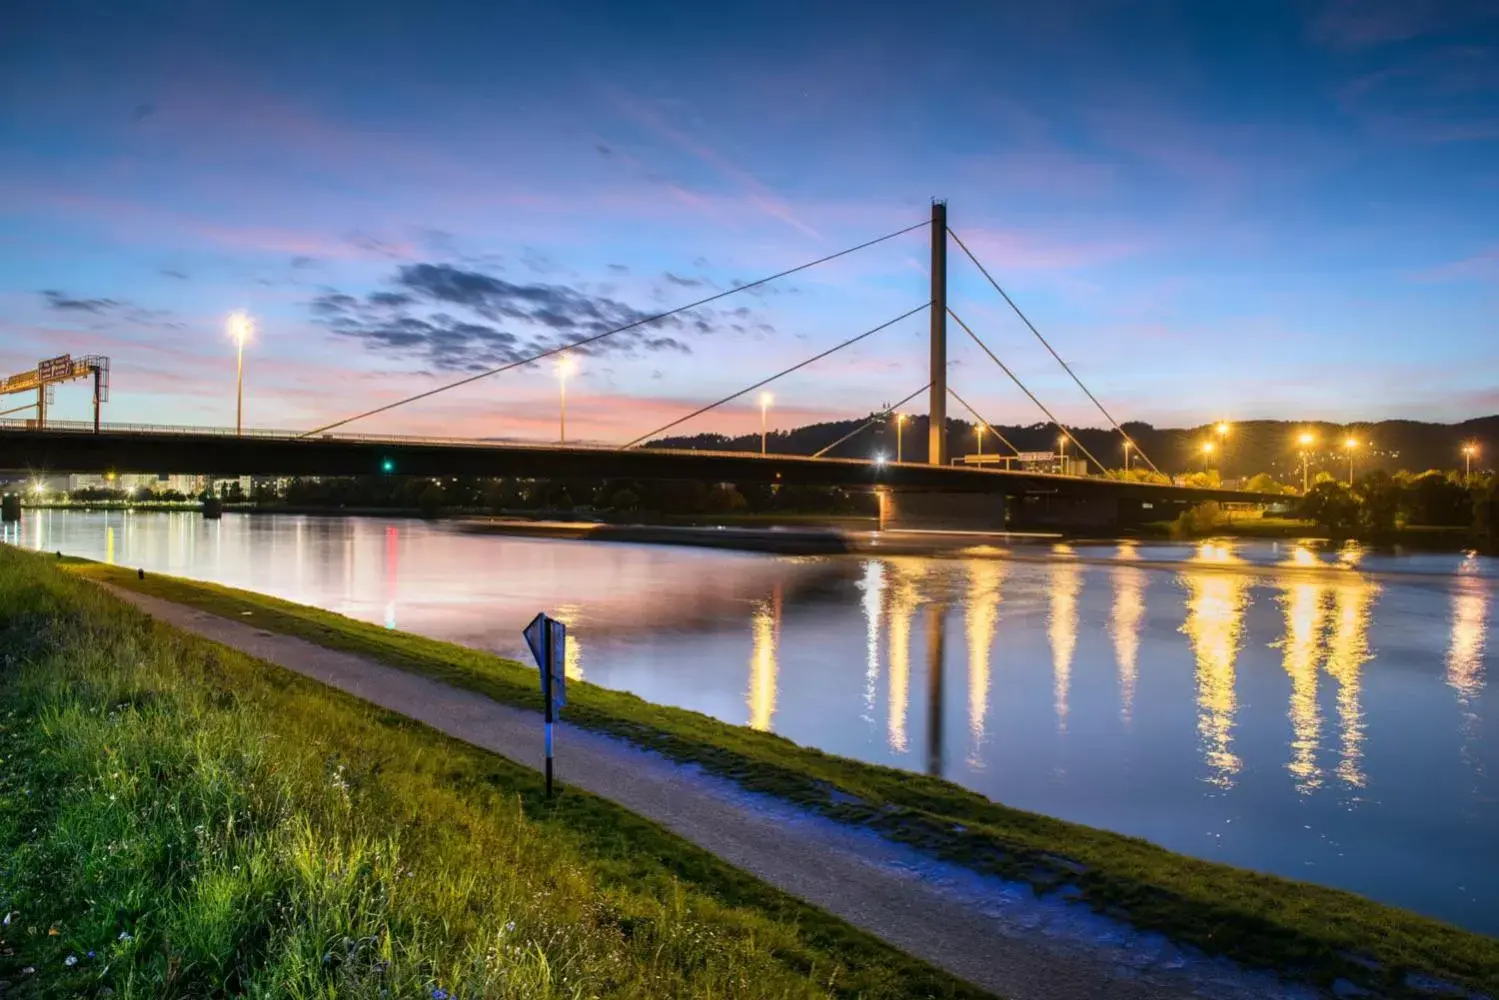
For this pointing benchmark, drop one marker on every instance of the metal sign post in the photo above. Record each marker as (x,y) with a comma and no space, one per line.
(548,641)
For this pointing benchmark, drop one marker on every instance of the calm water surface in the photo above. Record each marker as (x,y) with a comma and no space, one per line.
(1320,715)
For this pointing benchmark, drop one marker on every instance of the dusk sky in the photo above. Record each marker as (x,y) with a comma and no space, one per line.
(1269,209)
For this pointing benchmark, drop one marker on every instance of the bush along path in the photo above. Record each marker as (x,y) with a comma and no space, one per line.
(1331,939)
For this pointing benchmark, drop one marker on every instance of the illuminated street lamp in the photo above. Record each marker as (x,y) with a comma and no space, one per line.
(765,400)
(900,423)
(1469,450)
(1306,440)
(1208,448)
(1127,443)
(978,433)
(240,329)
(1062,452)
(1351,444)
(566,365)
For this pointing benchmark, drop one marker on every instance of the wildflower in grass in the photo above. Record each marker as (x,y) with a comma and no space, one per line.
(70,961)
(439,994)
(90,954)
(126,937)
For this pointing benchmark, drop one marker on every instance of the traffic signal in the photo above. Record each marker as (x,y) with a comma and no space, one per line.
(388,465)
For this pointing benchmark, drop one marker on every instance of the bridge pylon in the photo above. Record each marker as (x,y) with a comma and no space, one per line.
(937,408)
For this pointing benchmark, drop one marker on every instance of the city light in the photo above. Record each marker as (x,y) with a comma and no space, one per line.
(900,423)
(1222,428)
(241,328)
(388,465)
(978,433)
(1469,451)
(1351,444)
(1306,440)
(39,488)
(566,365)
(1208,447)
(1127,443)
(765,400)
(879,458)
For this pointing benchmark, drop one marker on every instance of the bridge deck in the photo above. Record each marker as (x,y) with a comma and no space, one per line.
(210,451)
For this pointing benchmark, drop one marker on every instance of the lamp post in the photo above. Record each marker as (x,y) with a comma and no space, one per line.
(1350,444)
(1127,443)
(1208,448)
(1062,453)
(1469,450)
(1306,441)
(240,328)
(566,365)
(978,433)
(765,400)
(1221,429)
(900,423)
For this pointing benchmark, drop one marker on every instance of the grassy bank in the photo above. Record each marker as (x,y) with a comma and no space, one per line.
(177,820)
(1315,932)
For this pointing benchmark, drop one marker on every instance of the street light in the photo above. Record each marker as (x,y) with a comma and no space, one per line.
(1127,443)
(240,328)
(900,423)
(566,365)
(1306,440)
(1208,448)
(1350,444)
(1469,450)
(1062,446)
(978,432)
(765,400)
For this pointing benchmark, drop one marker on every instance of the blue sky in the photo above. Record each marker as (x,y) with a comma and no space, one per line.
(1257,210)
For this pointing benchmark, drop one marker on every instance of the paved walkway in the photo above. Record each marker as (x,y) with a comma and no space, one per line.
(992,933)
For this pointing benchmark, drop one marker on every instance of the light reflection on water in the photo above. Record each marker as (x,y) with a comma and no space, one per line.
(1324,715)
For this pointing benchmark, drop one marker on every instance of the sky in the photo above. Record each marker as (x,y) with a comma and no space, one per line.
(1279,209)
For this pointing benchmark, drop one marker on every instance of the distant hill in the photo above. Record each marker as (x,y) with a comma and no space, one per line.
(1251,447)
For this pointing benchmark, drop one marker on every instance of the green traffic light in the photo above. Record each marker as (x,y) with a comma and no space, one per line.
(387,466)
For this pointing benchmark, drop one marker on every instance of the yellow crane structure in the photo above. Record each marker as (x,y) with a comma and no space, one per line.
(44,378)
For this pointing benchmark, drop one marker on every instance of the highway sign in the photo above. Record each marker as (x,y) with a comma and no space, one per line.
(53,368)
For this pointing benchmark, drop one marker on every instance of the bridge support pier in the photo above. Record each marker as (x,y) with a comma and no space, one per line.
(10,507)
(923,510)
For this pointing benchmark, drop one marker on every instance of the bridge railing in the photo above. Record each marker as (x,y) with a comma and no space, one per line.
(272,434)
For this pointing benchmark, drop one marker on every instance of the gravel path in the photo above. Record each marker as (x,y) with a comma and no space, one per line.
(994,934)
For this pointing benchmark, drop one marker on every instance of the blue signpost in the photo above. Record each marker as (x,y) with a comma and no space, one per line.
(547,638)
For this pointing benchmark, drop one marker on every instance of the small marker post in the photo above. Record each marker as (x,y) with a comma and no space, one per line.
(546,694)
(548,641)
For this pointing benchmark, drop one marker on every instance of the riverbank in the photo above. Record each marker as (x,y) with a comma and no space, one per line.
(1313,932)
(179,818)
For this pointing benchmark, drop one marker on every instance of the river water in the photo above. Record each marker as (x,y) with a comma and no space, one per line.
(1322,715)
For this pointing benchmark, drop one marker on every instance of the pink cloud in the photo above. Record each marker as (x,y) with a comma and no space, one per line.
(1444,95)
(1358,24)
(759,195)
(1482,266)
(1012,250)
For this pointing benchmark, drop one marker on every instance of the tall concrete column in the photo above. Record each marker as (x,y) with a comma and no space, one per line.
(937,408)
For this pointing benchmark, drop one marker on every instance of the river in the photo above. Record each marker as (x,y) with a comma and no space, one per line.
(1322,715)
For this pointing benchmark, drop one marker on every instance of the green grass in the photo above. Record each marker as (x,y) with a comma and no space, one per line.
(183,821)
(1305,930)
